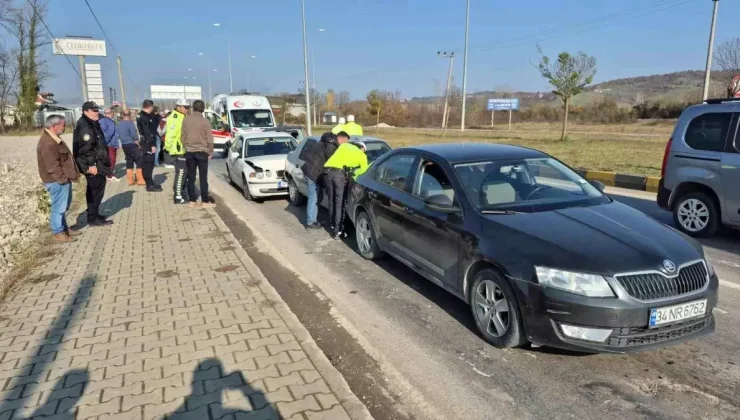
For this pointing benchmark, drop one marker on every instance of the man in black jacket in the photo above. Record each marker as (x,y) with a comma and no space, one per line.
(314,155)
(148,144)
(91,155)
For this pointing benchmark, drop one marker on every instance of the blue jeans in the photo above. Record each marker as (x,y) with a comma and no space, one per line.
(61,198)
(158,144)
(312,207)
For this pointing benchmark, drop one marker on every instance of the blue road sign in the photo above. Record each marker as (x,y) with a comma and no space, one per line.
(503,104)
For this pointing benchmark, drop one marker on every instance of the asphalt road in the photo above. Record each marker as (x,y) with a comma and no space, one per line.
(428,361)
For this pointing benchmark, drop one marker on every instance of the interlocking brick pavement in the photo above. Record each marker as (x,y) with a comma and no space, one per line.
(160,315)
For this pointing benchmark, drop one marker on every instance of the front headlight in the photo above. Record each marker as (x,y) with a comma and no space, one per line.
(260,175)
(591,285)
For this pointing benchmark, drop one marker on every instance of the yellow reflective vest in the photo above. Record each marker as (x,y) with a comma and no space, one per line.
(338,129)
(172,143)
(350,156)
(353,129)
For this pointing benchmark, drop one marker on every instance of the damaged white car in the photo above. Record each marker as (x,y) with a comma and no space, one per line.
(256,164)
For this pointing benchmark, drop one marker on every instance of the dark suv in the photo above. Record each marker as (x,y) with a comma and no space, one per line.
(539,253)
(701,168)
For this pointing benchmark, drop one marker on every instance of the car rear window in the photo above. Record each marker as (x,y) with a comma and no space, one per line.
(708,132)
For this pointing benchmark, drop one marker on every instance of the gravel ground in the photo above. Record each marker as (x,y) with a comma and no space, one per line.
(21,216)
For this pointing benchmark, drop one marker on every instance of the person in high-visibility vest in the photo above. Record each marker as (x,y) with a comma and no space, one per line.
(339,127)
(173,145)
(352,128)
(348,157)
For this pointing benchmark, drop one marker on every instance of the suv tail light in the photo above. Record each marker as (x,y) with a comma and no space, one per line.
(665,157)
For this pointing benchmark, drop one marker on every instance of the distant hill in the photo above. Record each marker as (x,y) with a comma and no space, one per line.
(679,86)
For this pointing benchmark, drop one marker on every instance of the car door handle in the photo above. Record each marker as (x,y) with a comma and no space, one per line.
(408,210)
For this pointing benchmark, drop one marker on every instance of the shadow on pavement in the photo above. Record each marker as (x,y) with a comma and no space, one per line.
(221,391)
(109,207)
(62,399)
(35,373)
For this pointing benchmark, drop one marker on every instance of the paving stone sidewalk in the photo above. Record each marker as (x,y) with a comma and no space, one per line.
(161,315)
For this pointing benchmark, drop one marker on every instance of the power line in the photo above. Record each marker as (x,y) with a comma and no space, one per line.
(111,45)
(53,37)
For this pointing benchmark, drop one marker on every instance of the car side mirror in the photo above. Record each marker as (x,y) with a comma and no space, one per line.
(441,203)
(597,184)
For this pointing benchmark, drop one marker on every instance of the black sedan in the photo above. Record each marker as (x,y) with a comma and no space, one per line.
(540,254)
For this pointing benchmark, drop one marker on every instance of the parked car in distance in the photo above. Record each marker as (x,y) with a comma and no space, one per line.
(256,164)
(701,168)
(297,187)
(540,254)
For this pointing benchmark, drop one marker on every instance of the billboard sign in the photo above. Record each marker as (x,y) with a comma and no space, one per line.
(503,104)
(176,92)
(94,77)
(79,46)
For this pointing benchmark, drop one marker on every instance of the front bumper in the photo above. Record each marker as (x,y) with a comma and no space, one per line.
(268,189)
(628,319)
(664,195)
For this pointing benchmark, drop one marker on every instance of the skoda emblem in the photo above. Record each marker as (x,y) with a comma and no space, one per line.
(670,266)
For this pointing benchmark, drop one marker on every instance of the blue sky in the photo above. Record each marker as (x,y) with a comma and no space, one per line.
(386,44)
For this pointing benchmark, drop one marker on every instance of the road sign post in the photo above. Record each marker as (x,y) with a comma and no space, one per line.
(509,120)
(511,104)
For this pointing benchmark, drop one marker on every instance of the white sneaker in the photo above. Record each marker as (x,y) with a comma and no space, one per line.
(113,179)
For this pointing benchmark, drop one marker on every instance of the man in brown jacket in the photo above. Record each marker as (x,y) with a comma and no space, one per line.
(197,139)
(57,170)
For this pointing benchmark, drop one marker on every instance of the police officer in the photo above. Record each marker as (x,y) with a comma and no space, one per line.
(339,127)
(173,146)
(352,128)
(91,155)
(347,158)
(147,124)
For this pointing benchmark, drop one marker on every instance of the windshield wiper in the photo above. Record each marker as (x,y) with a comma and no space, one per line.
(501,212)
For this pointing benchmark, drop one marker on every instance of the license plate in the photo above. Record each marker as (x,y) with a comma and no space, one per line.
(282,184)
(671,314)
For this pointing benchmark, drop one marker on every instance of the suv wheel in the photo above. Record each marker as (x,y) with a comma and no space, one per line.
(696,215)
(294,196)
(496,310)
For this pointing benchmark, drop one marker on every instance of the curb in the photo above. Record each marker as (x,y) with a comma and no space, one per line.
(630,182)
(334,379)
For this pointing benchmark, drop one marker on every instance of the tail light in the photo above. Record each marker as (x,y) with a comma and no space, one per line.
(665,157)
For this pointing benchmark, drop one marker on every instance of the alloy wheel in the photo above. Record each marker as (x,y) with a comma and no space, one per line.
(693,215)
(292,191)
(364,236)
(492,308)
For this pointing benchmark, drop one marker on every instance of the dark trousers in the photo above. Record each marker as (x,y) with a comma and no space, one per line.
(133,155)
(147,167)
(181,174)
(199,161)
(335,182)
(94,195)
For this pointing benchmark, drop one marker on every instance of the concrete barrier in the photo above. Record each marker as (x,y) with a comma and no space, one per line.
(613,179)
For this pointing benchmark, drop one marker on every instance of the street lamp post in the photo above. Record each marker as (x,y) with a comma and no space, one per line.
(228,47)
(708,71)
(313,76)
(451,56)
(208,61)
(305,69)
(465,66)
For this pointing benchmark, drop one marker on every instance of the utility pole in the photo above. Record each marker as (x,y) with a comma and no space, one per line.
(313,77)
(120,82)
(708,71)
(465,66)
(451,56)
(305,70)
(231,80)
(83,77)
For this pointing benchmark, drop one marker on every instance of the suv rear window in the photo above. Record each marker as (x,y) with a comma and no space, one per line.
(708,131)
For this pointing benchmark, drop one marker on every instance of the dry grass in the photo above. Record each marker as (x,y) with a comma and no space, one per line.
(635,149)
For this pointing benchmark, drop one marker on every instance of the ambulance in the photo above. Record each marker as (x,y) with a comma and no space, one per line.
(231,116)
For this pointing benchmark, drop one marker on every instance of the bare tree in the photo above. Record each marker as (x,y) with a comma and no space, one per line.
(727,59)
(8,79)
(569,75)
(375,106)
(342,101)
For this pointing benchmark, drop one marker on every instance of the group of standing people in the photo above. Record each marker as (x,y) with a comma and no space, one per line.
(95,143)
(330,164)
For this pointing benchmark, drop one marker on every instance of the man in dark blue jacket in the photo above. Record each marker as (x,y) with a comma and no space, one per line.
(314,155)
(91,156)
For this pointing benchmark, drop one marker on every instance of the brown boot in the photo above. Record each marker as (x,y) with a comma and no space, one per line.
(130,176)
(72,233)
(140,177)
(63,237)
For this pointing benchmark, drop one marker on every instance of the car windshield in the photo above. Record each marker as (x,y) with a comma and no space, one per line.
(526,185)
(248,118)
(270,146)
(375,149)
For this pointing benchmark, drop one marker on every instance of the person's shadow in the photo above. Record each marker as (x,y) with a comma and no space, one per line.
(108,208)
(214,407)
(64,397)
